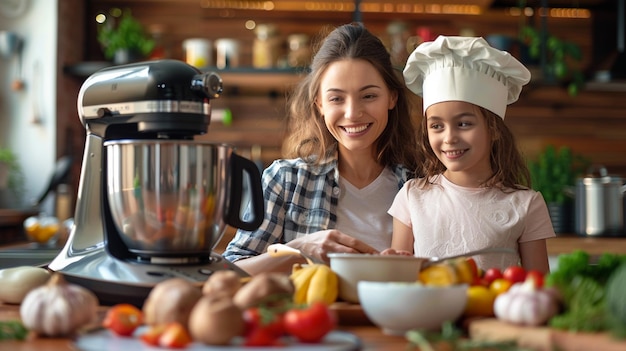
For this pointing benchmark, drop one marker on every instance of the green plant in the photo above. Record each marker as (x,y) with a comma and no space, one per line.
(559,57)
(16,181)
(128,34)
(554,171)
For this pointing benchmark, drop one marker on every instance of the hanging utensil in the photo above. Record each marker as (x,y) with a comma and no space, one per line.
(61,170)
(18,82)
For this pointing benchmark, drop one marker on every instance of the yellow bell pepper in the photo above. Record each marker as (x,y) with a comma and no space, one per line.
(441,274)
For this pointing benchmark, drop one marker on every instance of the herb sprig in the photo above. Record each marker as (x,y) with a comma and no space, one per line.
(453,339)
(12,330)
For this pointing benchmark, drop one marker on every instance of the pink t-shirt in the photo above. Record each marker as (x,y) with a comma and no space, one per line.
(449,219)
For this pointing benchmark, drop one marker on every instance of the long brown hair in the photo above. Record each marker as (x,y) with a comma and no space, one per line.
(509,167)
(308,136)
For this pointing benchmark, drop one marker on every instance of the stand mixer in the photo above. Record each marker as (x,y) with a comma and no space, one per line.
(152,202)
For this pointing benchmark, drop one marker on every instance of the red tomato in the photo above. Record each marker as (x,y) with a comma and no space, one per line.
(514,274)
(174,336)
(537,276)
(475,271)
(123,319)
(310,324)
(490,275)
(263,327)
(151,336)
(473,266)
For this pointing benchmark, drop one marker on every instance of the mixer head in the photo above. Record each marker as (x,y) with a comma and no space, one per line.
(152,99)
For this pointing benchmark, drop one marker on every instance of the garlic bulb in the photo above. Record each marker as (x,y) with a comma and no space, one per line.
(526,304)
(58,308)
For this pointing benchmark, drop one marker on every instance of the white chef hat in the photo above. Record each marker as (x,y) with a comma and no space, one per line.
(465,69)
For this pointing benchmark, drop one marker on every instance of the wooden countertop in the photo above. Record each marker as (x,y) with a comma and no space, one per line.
(562,243)
(567,243)
(371,336)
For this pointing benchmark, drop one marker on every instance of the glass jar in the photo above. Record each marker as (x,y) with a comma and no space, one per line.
(42,229)
(266,49)
(398,33)
(299,51)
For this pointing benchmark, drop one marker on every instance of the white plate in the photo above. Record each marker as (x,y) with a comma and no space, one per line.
(104,340)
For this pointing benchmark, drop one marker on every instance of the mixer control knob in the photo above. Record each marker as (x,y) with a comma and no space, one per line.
(104,112)
(209,83)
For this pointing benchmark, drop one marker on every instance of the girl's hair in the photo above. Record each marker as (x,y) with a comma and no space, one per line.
(509,167)
(308,136)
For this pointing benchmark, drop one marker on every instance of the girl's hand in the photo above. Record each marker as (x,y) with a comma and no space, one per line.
(391,251)
(319,244)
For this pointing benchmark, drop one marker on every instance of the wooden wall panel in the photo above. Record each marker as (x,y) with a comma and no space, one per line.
(186,19)
(592,124)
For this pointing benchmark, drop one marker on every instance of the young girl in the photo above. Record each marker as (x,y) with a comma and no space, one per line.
(475,192)
(351,145)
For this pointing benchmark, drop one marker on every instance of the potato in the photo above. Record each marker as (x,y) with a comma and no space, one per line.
(262,288)
(171,301)
(223,281)
(216,320)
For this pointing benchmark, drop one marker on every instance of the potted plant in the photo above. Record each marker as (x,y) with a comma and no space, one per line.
(126,42)
(554,175)
(559,57)
(11,180)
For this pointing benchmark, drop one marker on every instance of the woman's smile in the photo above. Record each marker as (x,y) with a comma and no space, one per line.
(356,129)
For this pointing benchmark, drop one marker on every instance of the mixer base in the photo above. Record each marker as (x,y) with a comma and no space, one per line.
(115,281)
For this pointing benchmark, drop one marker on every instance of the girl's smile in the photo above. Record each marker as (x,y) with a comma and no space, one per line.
(453,154)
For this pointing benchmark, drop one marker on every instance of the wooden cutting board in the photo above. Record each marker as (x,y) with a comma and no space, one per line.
(543,338)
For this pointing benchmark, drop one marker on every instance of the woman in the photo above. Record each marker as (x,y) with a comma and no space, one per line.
(351,147)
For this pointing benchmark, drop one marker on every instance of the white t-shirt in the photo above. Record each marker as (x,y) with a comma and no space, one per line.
(449,219)
(361,213)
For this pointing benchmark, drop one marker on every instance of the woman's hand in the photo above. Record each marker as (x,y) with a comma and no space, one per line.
(319,244)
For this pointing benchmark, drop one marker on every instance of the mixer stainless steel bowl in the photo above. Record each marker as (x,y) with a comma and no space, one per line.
(175,198)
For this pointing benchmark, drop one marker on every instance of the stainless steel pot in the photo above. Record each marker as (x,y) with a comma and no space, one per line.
(600,204)
(175,198)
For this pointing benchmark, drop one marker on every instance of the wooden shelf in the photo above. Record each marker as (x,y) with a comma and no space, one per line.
(263,80)
(241,75)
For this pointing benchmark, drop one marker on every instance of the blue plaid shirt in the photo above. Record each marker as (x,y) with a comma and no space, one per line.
(300,198)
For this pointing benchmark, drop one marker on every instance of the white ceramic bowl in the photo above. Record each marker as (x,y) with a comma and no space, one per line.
(352,268)
(398,307)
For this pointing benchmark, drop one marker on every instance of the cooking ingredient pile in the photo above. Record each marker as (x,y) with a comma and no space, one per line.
(584,287)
